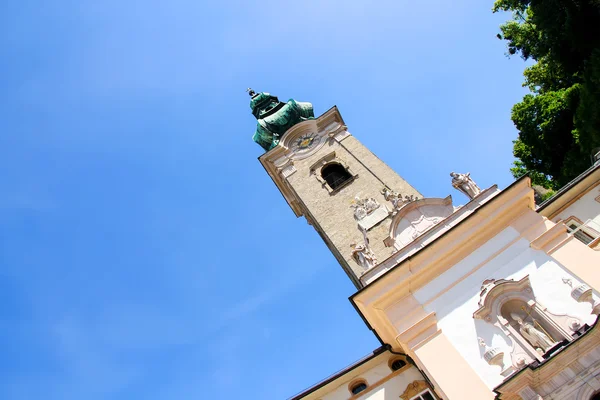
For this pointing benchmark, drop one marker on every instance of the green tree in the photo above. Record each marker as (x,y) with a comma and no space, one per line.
(559,121)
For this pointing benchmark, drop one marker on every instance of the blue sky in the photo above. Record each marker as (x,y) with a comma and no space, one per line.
(144,252)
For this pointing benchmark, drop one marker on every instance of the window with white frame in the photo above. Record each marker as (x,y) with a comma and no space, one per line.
(581,232)
(424,395)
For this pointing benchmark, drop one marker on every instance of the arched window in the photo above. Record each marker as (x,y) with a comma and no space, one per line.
(397,364)
(596,397)
(358,386)
(335,175)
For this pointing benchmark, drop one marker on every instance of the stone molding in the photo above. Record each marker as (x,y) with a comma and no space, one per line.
(414,389)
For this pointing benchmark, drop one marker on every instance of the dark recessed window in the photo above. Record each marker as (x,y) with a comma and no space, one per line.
(359,387)
(335,175)
(397,364)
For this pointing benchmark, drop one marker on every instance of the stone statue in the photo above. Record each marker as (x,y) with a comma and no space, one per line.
(465,184)
(393,197)
(535,337)
(362,254)
(396,198)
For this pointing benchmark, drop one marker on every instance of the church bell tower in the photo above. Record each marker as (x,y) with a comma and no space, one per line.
(326,175)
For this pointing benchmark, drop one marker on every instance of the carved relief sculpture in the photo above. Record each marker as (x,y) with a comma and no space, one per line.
(362,253)
(464,184)
(396,198)
(511,306)
(364,207)
(414,389)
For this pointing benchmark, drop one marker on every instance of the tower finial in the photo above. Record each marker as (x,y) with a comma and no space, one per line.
(250,92)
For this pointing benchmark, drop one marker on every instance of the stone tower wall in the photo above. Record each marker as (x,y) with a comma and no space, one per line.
(331,212)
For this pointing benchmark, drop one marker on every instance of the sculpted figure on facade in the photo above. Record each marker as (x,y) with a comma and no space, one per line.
(392,197)
(364,207)
(535,337)
(464,184)
(396,198)
(362,253)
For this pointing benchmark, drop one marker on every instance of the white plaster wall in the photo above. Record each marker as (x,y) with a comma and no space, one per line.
(503,257)
(584,208)
(419,220)
(389,390)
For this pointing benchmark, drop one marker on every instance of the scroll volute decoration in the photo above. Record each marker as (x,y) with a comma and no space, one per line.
(414,389)
(492,291)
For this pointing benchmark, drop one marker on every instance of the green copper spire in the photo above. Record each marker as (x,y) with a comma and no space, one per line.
(275,117)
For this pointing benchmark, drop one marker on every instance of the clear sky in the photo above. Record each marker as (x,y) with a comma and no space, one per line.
(144,252)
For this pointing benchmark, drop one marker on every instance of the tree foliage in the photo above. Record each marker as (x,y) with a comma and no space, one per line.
(559,121)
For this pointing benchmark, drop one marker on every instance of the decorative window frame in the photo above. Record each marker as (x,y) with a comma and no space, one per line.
(416,388)
(584,228)
(326,160)
(392,360)
(496,293)
(356,382)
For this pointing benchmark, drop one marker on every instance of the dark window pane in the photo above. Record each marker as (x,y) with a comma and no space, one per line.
(358,388)
(396,365)
(335,174)
(427,396)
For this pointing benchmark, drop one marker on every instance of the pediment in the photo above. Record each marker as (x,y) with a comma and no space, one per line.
(417,217)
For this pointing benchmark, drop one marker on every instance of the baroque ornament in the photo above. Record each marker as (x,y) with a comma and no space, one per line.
(362,253)
(364,207)
(492,355)
(305,142)
(583,293)
(396,198)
